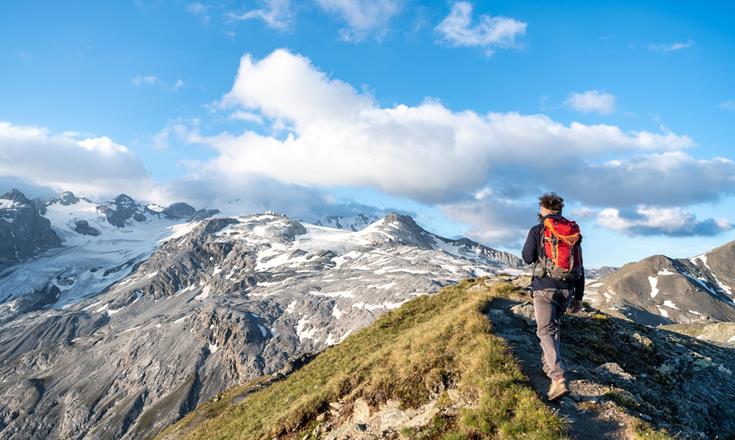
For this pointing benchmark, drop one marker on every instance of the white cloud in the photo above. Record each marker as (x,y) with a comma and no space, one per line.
(592,101)
(335,136)
(277,14)
(65,161)
(457,29)
(363,17)
(670,47)
(728,105)
(671,178)
(140,80)
(42,164)
(660,221)
(493,219)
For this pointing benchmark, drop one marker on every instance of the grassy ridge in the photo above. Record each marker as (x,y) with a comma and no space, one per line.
(412,354)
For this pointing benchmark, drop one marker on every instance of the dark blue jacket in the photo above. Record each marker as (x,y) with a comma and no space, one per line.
(531,254)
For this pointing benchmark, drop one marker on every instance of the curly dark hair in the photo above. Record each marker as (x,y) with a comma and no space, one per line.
(552,201)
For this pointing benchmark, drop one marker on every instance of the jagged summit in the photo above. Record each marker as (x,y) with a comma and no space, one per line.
(16,195)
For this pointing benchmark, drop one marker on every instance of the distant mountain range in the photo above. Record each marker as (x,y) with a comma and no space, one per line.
(663,290)
(124,317)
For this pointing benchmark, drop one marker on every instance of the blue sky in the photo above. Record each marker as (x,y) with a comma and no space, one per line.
(157,81)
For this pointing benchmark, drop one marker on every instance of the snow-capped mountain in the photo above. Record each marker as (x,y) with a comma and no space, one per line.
(160,315)
(663,290)
(78,248)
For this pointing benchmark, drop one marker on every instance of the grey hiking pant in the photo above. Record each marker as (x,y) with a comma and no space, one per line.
(548,306)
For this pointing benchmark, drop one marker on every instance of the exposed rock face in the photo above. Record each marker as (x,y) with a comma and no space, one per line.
(82,226)
(663,290)
(221,301)
(23,231)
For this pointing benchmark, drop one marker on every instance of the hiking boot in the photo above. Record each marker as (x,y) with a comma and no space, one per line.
(558,389)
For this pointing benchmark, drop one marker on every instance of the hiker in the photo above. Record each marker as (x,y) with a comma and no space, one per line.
(554,248)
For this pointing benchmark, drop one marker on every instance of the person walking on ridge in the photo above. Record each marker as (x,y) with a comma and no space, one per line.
(554,248)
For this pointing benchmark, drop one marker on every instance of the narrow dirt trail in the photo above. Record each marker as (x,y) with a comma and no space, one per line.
(589,416)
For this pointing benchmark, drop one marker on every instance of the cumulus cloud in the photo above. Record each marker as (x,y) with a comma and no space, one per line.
(458,29)
(93,165)
(591,101)
(276,14)
(670,47)
(333,135)
(363,18)
(675,222)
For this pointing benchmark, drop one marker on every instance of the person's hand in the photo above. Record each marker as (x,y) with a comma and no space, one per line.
(576,306)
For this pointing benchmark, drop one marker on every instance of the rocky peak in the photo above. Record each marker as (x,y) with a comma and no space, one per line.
(179,210)
(124,201)
(68,198)
(23,231)
(16,195)
(122,209)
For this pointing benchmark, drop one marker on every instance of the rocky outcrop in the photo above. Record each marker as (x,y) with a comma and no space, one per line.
(23,230)
(82,226)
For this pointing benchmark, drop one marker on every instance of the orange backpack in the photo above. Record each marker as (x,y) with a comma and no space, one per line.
(562,255)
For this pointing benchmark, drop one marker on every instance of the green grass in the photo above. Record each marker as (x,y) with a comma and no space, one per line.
(644,431)
(412,354)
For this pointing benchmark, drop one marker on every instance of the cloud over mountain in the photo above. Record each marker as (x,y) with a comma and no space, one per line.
(68,161)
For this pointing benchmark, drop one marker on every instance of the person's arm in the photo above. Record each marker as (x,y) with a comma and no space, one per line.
(530,250)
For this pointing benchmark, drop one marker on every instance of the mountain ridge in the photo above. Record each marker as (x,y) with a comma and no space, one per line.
(663,290)
(218,301)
